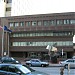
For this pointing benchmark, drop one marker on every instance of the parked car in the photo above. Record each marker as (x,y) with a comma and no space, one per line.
(73,57)
(71,63)
(9,60)
(36,62)
(17,69)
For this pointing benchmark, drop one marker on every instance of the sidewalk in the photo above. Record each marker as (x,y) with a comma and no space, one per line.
(55,65)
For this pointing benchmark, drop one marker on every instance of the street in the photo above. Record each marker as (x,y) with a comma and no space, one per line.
(54,70)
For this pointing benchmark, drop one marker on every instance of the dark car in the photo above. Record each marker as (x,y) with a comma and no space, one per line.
(37,62)
(17,69)
(9,60)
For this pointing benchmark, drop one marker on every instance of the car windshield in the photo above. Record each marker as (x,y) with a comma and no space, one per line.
(24,69)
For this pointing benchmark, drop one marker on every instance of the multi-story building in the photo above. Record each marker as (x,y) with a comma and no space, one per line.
(31,34)
(5,8)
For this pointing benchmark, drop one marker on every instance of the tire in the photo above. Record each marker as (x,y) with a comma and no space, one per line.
(42,65)
(66,66)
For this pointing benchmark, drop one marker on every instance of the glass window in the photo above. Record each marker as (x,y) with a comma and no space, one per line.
(9,1)
(72,21)
(59,43)
(39,23)
(21,23)
(51,22)
(28,23)
(8,9)
(59,22)
(34,23)
(66,22)
(16,24)
(11,24)
(46,23)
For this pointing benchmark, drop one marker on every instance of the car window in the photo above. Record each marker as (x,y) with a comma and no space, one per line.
(70,61)
(11,69)
(3,68)
(33,60)
(37,60)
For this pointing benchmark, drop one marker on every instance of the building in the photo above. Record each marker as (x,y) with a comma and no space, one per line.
(32,33)
(5,7)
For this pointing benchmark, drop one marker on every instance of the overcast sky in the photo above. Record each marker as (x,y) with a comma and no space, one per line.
(52,6)
(29,7)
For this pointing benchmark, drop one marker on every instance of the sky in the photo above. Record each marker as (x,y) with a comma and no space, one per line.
(29,7)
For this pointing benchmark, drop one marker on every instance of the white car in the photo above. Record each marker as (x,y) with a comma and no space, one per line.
(73,57)
(71,63)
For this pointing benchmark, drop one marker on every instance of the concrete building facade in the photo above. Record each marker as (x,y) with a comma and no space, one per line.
(32,33)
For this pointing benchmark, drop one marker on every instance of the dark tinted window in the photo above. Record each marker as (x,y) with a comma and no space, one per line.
(3,68)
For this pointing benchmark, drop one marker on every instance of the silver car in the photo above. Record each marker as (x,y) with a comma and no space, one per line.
(68,62)
(37,62)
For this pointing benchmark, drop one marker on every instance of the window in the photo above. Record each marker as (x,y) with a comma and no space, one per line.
(16,24)
(11,24)
(39,23)
(51,22)
(66,22)
(34,23)
(28,23)
(46,23)
(3,68)
(8,9)
(9,1)
(59,22)
(59,43)
(72,21)
(12,69)
(21,23)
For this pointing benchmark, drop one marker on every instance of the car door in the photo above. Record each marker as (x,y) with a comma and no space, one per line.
(71,62)
(33,62)
(38,63)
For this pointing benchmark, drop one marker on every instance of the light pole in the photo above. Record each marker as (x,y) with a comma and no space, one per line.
(3,41)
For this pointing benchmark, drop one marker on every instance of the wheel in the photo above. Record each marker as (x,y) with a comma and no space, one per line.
(42,65)
(66,66)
